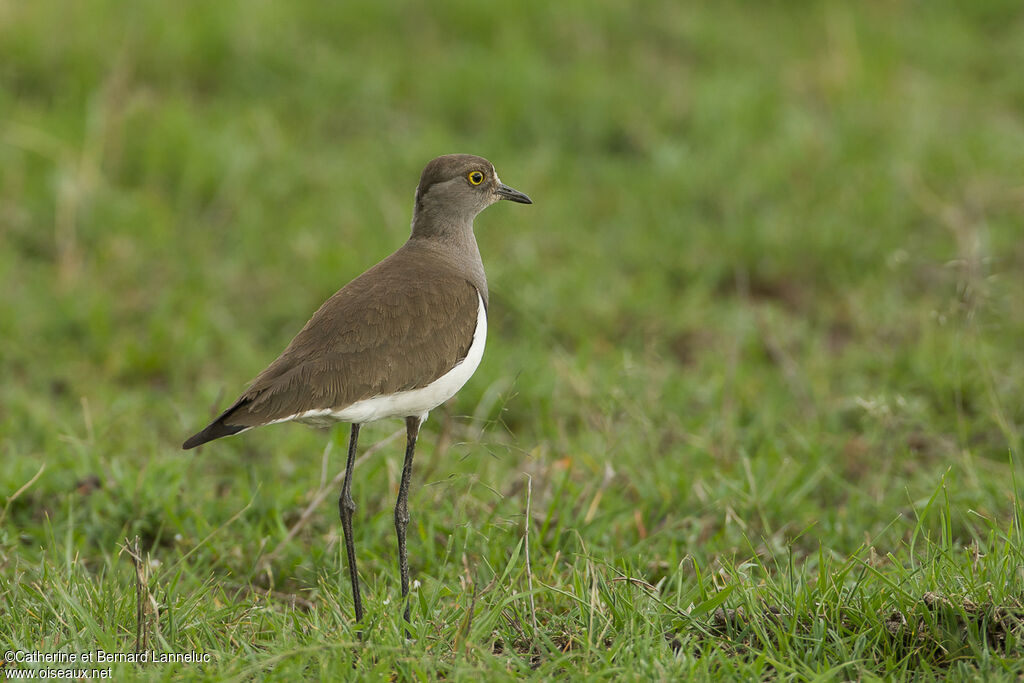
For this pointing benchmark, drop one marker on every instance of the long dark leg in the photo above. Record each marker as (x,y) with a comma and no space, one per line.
(346,506)
(412,429)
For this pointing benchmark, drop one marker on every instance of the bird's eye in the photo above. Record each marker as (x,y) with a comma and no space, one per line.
(475,177)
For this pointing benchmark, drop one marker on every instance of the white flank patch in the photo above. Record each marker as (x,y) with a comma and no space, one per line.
(415,402)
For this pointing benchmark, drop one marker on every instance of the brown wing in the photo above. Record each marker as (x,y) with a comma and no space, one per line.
(399,326)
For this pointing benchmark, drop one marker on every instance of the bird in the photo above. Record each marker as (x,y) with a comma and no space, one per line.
(395,342)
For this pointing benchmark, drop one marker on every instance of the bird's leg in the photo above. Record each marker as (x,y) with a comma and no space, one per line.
(412,428)
(347,506)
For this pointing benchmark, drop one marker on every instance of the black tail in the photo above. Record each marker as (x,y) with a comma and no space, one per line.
(215,429)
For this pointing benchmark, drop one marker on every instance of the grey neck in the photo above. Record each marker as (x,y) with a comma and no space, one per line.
(453,242)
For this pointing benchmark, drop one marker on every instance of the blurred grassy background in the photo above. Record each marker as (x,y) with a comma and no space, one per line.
(767,304)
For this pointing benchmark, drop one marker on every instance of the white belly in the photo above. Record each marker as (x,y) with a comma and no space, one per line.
(412,403)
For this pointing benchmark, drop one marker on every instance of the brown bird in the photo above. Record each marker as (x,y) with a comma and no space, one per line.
(398,341)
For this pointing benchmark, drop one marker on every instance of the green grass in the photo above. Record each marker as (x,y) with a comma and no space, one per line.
(754,383)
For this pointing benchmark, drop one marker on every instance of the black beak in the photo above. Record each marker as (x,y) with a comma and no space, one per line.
(506,192)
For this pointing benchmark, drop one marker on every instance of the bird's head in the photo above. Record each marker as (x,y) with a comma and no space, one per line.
(454,188)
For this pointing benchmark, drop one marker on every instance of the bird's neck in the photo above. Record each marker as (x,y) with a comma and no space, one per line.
(454,243)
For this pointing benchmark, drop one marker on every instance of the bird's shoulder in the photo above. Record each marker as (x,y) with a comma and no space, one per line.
(400,296)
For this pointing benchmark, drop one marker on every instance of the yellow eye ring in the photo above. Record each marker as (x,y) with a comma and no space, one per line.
(475,177)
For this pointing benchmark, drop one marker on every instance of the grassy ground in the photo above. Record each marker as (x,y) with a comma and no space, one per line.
(754,384)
